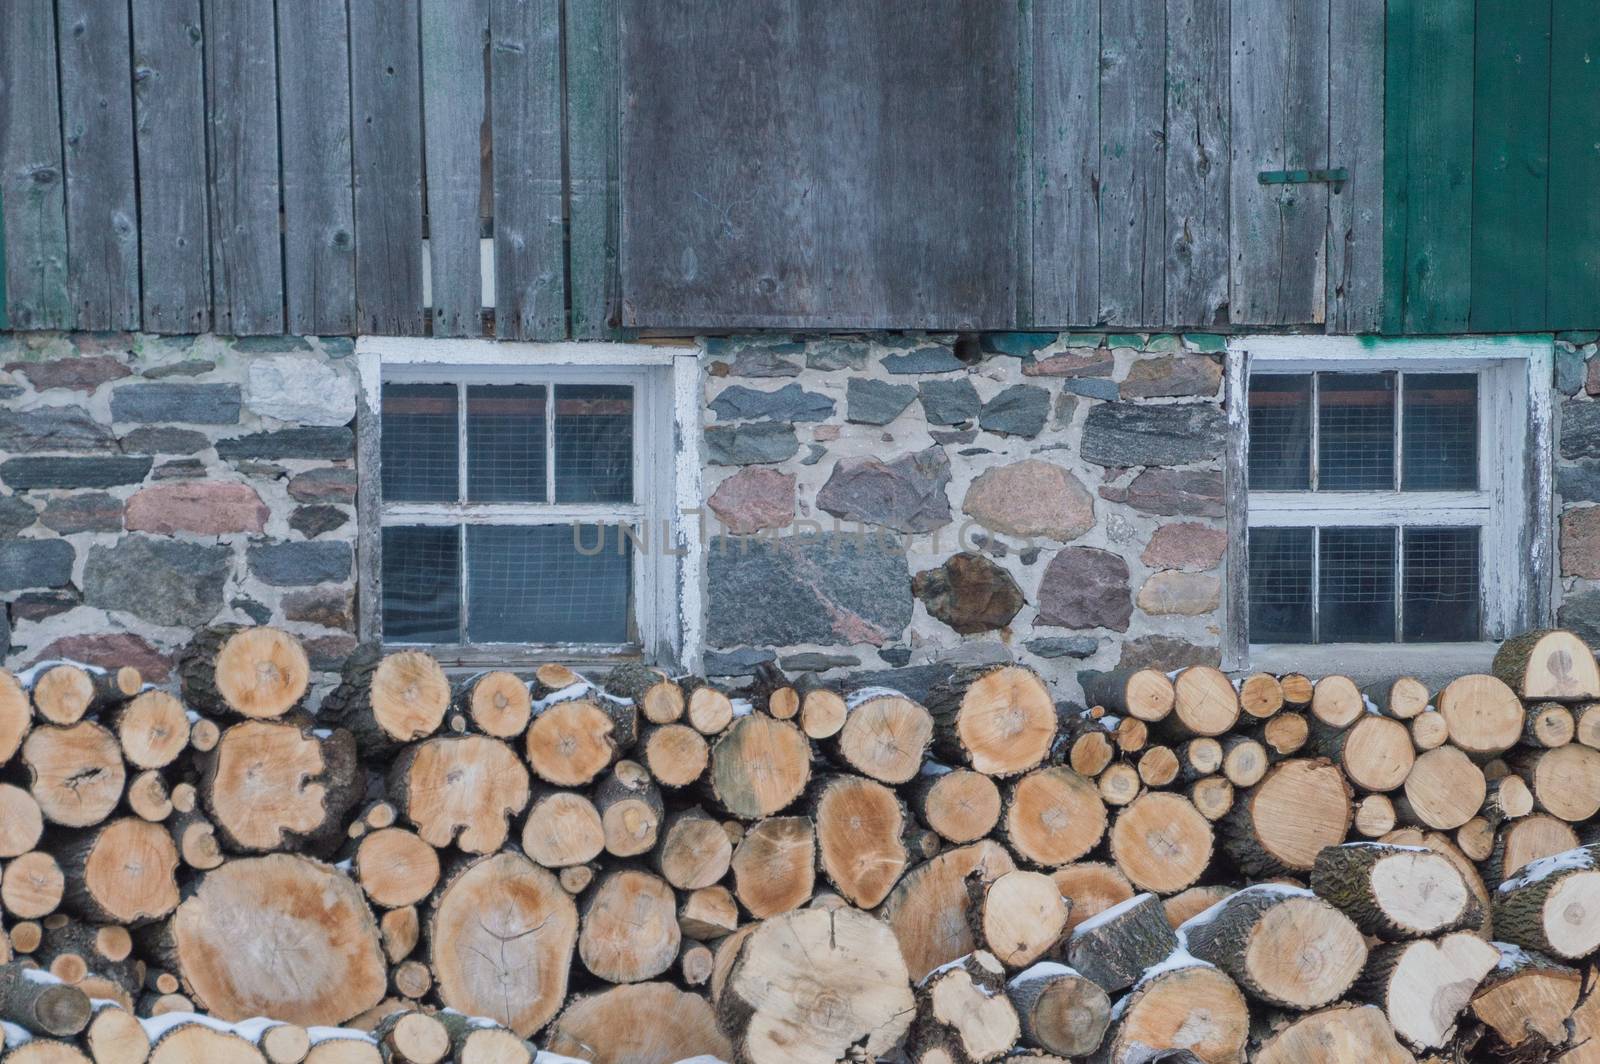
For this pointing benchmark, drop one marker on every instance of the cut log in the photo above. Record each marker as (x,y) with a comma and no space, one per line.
(759,766)
(1145,694)
(885,736)
(1429,731)
(1584,1024)
(1483,715)
(659,699)
(1212,797)
(695,852)
(401,930)
(41,1005)
(929,909)
(1423,986)
(385,700)
(631,809)
(963,1014)
(413,1037)
(1053,816)
(860,824)
(1060,1010)
(32,886)
(1091,752)
(1402,698)
(233,940)
(189,1043)
(571,742)
(1336,701)
(285,1043)
(396,868)
(412,980)
(1357,1033)
(114,1036)
(1204,703)
(1281,824)
(562,829)
(1244,760)
(1260,695)
(771,693)
(1115,947)
(1552,905)
(196,840)
(21,822)
(97,959)
(1375,816)
(1000,721)
(1187,904)
(1375,752)
(642,1022)
(708,913)
(1018,917)
(960,804)
(498,703)
(1586,719)
(339,1050)
(675,754)
(708,710)
(1119,784)
(1286,733)
(148,798)
(1298,690)
(1508,798)
(1199,758)
(1091,887)
(16,715)
(63,694)
(473,1043)
(1476,838)
(501,942)
(1133,735)
(1158,766)
(1565,781)
(460,789)
(1549,724)
(77,772)
(1192,1007)
(121,872)
(1524,840)
(252,672)
(1551,664)
(822,709)
(1395,892)
(861,997)
(774,865)
(1284,946)
(1526,998)
(1162,843)
(273,785)
(695,961)
(1444,790)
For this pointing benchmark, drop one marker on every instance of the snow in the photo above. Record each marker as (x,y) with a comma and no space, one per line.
(1282,890)
(945,967)
(1384,846)
(866,694)
(933,768)
(1041,970)
(742,707)
(1371,706)
(30,676)
(1101,918)
(1511,957)
(322,733)
(15,1035)
(1544,867)
(575,690)
(39,975)
(251,1030)
(333,1034)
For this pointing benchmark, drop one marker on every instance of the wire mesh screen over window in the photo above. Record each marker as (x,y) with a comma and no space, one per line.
(504,513)
(1371,438)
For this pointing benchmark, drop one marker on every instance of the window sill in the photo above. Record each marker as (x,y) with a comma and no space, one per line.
(1435,664)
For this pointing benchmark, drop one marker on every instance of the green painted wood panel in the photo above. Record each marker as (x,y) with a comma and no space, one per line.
(1573,266)
(1510,165)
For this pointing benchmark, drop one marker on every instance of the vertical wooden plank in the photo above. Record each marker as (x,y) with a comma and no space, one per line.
(97,135)
(1355,142)
(453,33)
(1197,163)
(1066,153)
(1574,225)
(1279,74)
(169,109)
(386,145)
(5,319)
(530,272)
(1133,254)
(31,168)
(593,203)
(319,239)
(1510,165)
(242,143)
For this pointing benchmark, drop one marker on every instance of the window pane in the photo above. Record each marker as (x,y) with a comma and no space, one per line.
(1280,432)
(505,443)
(594,443)
(1280,585)
(1356,585)
(420,443)
(422,584)
(1440,432)
(533,585)
(1442,600)
(1355,431)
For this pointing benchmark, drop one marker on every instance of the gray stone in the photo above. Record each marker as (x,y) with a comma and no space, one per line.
(1580,429)
(179,469)
(1135,434)
(915,682)
(829,355)
(1578,481)
(1171,492)
(194,367)
(1066,406)
(93,511)
(258,612)
(1090,387)
(15,515)
(196,404)
(337,346)
(1016,344)
(1580,612)
(41,471)
(1085,587)
(1165,653)
(814,453)
(764,362)
(1019,410)
(42,605)
(814,662)
(739,662)
(266,345)
(789,403)
(1173,375)
(299,390)
(293,564)
(326,484)
(1569,369)
(934,359)
(167,581)
(875,402)
(330,607)
(313,521)
(757,443)
(26,563)
(163,439)
(1063,646)
(316,442)
(949,402)
(954,438)
(906,494)
(896,656)
(969,593)
(53,428)
(328,653)
(832,588)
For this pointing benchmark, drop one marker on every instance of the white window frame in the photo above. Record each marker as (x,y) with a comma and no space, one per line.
(668,573)
(1513,504)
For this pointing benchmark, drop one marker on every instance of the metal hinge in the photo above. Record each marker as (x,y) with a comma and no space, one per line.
(1304,177)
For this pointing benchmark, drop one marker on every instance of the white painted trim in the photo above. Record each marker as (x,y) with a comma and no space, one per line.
(688,400)
(485,272)
(412,350)
(1362,348)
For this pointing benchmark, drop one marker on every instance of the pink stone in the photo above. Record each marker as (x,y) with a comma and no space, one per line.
(825,432)
(111,652)
(82,373)
(1185,545)
(753,499)
(1184,594)
(205,507)
(1031,498)
(1580,543)
(1096,363)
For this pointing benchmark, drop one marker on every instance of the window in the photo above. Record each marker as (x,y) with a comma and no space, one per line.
(1388,500)
(524,506)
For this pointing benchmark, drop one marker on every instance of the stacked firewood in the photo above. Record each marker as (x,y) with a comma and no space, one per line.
(636,867)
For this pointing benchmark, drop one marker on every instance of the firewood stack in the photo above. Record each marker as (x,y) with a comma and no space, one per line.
(419,868)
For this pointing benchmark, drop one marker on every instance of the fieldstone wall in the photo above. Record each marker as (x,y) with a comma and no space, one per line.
(152,485)
(1577,373)
(882,504)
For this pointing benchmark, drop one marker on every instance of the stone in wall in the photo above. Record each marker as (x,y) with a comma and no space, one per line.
(1171,592)
(205,508)
(906,494)
(875,402)
(1019,410)
(1085,587)
(969,593)
(1031,498)
(789,403)
(1172,376)
(167,581)
(300,391)
(1185,545)
(754,499)
(1171,492)
(1580,543)
(1136,434)
(750,444)
(194,404)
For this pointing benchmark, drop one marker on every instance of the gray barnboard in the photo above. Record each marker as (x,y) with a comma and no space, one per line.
(31,185)
(1280,122)
(1355,134)
(594,198)
(386,114)
(525,124)
(453,33)
(1066,162)
(1197,162)
(97,134)
(1133,254)
(319,235)
(818,163)
(242,142)
(169,112)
